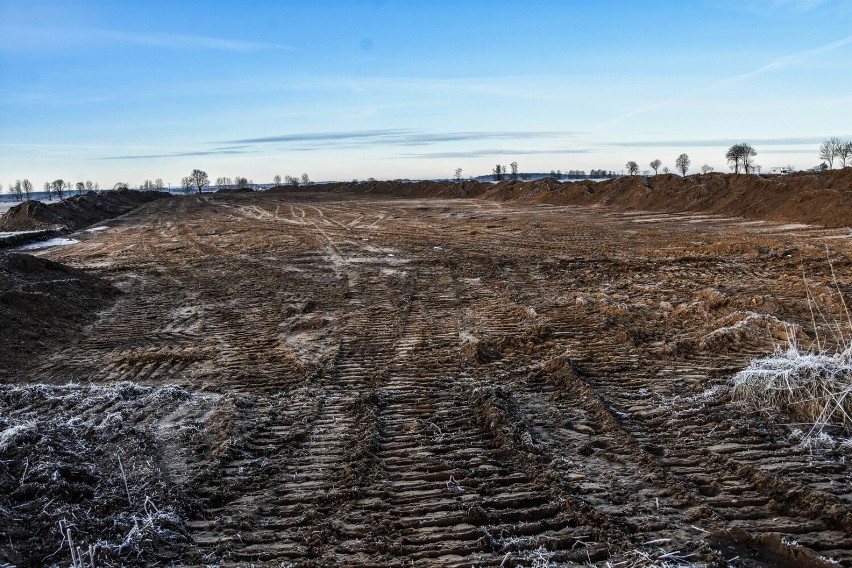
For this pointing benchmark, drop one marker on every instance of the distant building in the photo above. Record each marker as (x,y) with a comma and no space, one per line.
(782,170)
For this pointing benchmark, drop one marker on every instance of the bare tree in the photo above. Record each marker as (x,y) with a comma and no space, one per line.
(706,169)
(305,179)
(655,165)
(497,172)
(740,156)
(666,169)
(844,153)
(27,187)
(121,186)
(48,190)
(16,189)
(80,187)
(199,180)
(186,185)
(159,185)
(632,167)
(733,157)
(458,175)
(682,164)
(829,149)
(240,182)
(276,180)
(58,187)
(514,166)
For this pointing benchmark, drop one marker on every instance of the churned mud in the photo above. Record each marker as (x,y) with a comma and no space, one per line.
(279,379)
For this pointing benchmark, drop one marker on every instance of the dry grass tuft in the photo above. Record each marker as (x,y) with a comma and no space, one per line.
(813,389)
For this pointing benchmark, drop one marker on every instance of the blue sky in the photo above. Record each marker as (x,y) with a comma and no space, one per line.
(124,91)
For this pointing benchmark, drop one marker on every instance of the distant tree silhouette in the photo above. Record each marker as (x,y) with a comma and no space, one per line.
(632,167)
(458,175)
(682,164)
(655,165)
(844,152)
(740,156)
(199,180)
(58,187)
(276,180)
(186,184)
(706,169)
(498,172)
(829,150)
(514,166)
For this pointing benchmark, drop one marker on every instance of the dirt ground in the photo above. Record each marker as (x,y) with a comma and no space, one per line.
(331,380)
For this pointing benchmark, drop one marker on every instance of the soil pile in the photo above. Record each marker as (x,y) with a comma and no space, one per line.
(824,198)
(404,189)
(75,212)
(42,305)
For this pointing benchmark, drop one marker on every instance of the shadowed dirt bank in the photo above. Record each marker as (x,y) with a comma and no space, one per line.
(75,212)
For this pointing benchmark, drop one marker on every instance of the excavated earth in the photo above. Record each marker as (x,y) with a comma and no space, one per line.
(332,379)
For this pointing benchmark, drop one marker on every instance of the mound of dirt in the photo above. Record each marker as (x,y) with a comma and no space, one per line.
(75,212)
(42,305)
(404,189)
(823,198)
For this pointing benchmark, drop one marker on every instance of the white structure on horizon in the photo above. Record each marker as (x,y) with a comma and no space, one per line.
(782,170)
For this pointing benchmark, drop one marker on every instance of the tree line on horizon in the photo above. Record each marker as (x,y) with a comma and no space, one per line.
(739,157)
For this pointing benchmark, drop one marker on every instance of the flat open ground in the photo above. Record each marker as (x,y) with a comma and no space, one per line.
(442,383)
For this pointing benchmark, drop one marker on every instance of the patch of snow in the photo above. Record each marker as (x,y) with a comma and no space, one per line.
(59,241)
(6,234)
(97,229)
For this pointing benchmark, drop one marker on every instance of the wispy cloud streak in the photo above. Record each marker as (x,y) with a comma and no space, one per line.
(710,142)
(182,41)
(491,152)
(313,141)
(777,63)
(399,137)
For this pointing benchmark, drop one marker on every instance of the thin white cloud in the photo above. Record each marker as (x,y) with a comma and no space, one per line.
(182,41)
(775,64)
(781,62)
(25,37)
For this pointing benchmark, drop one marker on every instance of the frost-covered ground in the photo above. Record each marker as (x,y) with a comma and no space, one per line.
(58,241)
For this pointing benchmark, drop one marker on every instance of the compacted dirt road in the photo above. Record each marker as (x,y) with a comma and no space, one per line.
(378,382)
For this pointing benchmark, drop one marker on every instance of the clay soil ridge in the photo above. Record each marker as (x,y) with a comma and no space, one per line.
(814,198)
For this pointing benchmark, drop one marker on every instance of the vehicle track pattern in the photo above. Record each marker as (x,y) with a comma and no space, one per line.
(463,383)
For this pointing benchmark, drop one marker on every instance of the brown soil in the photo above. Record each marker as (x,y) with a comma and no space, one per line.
(75,212)
(361,380)
(43,305)
(823,198)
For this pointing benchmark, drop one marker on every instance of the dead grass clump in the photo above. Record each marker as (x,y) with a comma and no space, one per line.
(813,389)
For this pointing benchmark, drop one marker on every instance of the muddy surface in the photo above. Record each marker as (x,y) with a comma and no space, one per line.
(325,380)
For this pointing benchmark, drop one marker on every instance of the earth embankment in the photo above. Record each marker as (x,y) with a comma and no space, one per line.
(823,198)
(75,212)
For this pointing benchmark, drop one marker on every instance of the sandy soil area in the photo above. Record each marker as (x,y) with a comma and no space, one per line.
(327,380)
